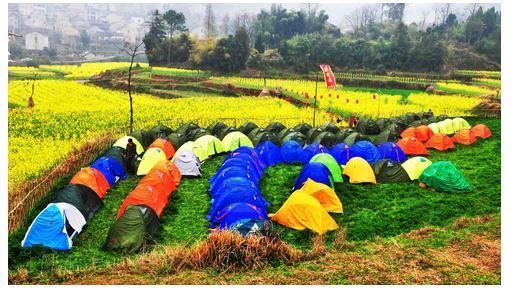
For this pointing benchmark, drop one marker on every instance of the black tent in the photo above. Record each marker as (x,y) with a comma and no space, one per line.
(266,136)
(185,128)
(252,135)
(389,171)
(296,136)
(81,197)
(160,131)
(354,137)
(196,133)
(216,128)
(143,137)
(133,230)
(285,132)
(176,139)
(275,127)
(226,131)
(247,128)
(383,123)
(330,127)
(313,133)
(387,135)
(326,138)
(303,128)
(367,126)
(117,153)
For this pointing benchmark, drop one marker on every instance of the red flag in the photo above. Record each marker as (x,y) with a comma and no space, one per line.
(329,76)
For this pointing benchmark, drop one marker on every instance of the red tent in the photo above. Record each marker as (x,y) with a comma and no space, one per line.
(464,136)
(440,142)
(92,178)
(481,131)
(412,146)
(165,146)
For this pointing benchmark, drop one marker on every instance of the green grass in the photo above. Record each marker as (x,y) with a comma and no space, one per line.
(382,210)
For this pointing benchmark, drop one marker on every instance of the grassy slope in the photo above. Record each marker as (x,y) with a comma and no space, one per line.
(381,210)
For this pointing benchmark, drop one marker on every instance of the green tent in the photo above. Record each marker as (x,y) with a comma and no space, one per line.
(196,134)
(285,132)
(185,128)
(460,123)
(216,128)
(330,127)
(234,140)
(133,230)
(81,197)
(326,138)
(176,139)
(355,137)
(382,123)
(303,128)
(367,126)
(387,135)
(331,164)
(247,128)
(295,136)
(443,176)
(210,145)
(446,127)
(266,136)
(252,135)
(275,127)
(313,133)
(160,131)
(226,131)
(389,171)
(143,137)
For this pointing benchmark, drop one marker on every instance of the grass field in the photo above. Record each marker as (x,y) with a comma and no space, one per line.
(371,212)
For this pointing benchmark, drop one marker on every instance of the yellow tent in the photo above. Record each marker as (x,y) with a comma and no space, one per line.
(192,147)
(151,157)
(415,166)
(446,127)
(210,145)
(460,123)
(324,194)
(359,171)
(301,211)
(234,140)
(123,141)
(434,127)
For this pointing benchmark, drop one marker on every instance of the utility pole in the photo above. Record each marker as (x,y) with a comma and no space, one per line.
(315,99)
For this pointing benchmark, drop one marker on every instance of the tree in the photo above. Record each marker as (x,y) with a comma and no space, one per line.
(209,22)
(84,39)
(174,22)
(395,11)
(225,26)
(399,51)
(154,38)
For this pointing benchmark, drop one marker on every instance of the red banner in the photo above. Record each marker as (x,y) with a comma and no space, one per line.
(329,76)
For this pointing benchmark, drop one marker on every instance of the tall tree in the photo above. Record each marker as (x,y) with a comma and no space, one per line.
(154,38)
(225,26)
(209,22)
(174,22)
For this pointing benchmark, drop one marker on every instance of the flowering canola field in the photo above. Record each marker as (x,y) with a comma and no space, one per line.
(67,113)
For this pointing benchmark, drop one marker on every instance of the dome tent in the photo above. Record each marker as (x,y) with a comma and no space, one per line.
(168,167)
(266,136)
(123,141)
(197,150)
(143,137)
(365,150)
(434,127)
(237,194)
(325,138)
(341,153)
(330,127)
(315,171)
(325,195)
(233,213)
(481,131)
(295,136)
(292,152)
(186,128)
(187,163)
(464,136)
(247,128)
(145,194)
(216,128)
(385,136)
(342,134)
(243,161)
(93,179)
(367,126)
(226,131)
(354,137)
(301,211)
(312,149)
(81,197)
(252,152)
(388,171)
(132,230)
(440,142)
(414,132)
(443,176)
(234,140)
(110,168)
(446,127)
(425,131)
(117,153)
(285,132)
(210,145)
(160,131)
(415,166)
(275,127)
(231,172)
(269,153)
(165,146)
(303,128)
(359,171)
(390,150)
(460,123)
(331,164)
(177,140)
(196,134)
(150,158)
(412,146)
(225,183)
(254,133)
(161,179)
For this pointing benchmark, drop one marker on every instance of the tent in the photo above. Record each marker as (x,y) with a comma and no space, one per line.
(247,128)
(198,151)
(186,128)
(117,153)
(313,133)
(325,138)
(425,131)
(275,127)
(269,153)
(303,128)
(160,131)
(434,127)
(330,127)
(331,164)
(230,172)
(265,136)
(252,135)
(390,150)
(237,194)
(147,195)
(295,136)
(481,131)
(55,227)
(132,230)
(324,194)
(210,145)
(216,128)
(123,142)
(313,149)
(171,168)
(234,140)
(414,132)
(285,132)
(359,171)
(315,171)
(165,146)
(223,184)
(236,212)
(143,137)
(446,127)
(110,168)
(301,211)
(412,146)
(440,142)
(195,134)
(226,131)
(341,153)
(292,152)
(161,179)
(176,139)
(243,161)
(252,152)
(93,179)
(367,126)
(460,123)
(342,134)
(464,136)
(81,197)
(247,226)
(151,157)
(386,135)
(365,150)
(187,163)
(354,137)
(415,166)
(443,176)
(389,171)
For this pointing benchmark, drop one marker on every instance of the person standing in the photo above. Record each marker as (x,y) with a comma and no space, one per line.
(131,154)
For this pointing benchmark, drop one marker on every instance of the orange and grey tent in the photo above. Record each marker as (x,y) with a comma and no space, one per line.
(426,132)
(412,146)
(481,131)
(145,195)
(440,142)
(92,178)
(165,146)
(414,132)
(324,194)
(160,178)
(464,136)
(359,171)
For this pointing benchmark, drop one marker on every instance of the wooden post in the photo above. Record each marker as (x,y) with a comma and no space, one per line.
(315,99)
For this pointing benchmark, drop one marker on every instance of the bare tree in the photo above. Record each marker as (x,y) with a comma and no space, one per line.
(362,17)
(225,26)
(442,12)
(247,22)
(424,20)
(209,22)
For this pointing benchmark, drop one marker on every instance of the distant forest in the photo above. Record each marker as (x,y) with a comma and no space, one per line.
(297,41)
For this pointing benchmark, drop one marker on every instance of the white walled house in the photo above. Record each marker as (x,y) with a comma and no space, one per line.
(36,41)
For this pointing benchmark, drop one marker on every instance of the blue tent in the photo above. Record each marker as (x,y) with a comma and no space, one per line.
(315,171)
(237,195)
(365,150)
(229,172)
(224,184)
(292,152)
(248,151)
(269,153)
(236,212)
(390,150)
(341,153)
(243,163)
(313,149)
(252,157)
(111,169)
(247,226)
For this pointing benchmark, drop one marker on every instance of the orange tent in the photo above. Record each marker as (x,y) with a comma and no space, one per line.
(412,146)
(481,131)
(161,179)
(165,146)
(93,179)
(426,132)
(414,132)
(146,195)
(440,142)
(464,136)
